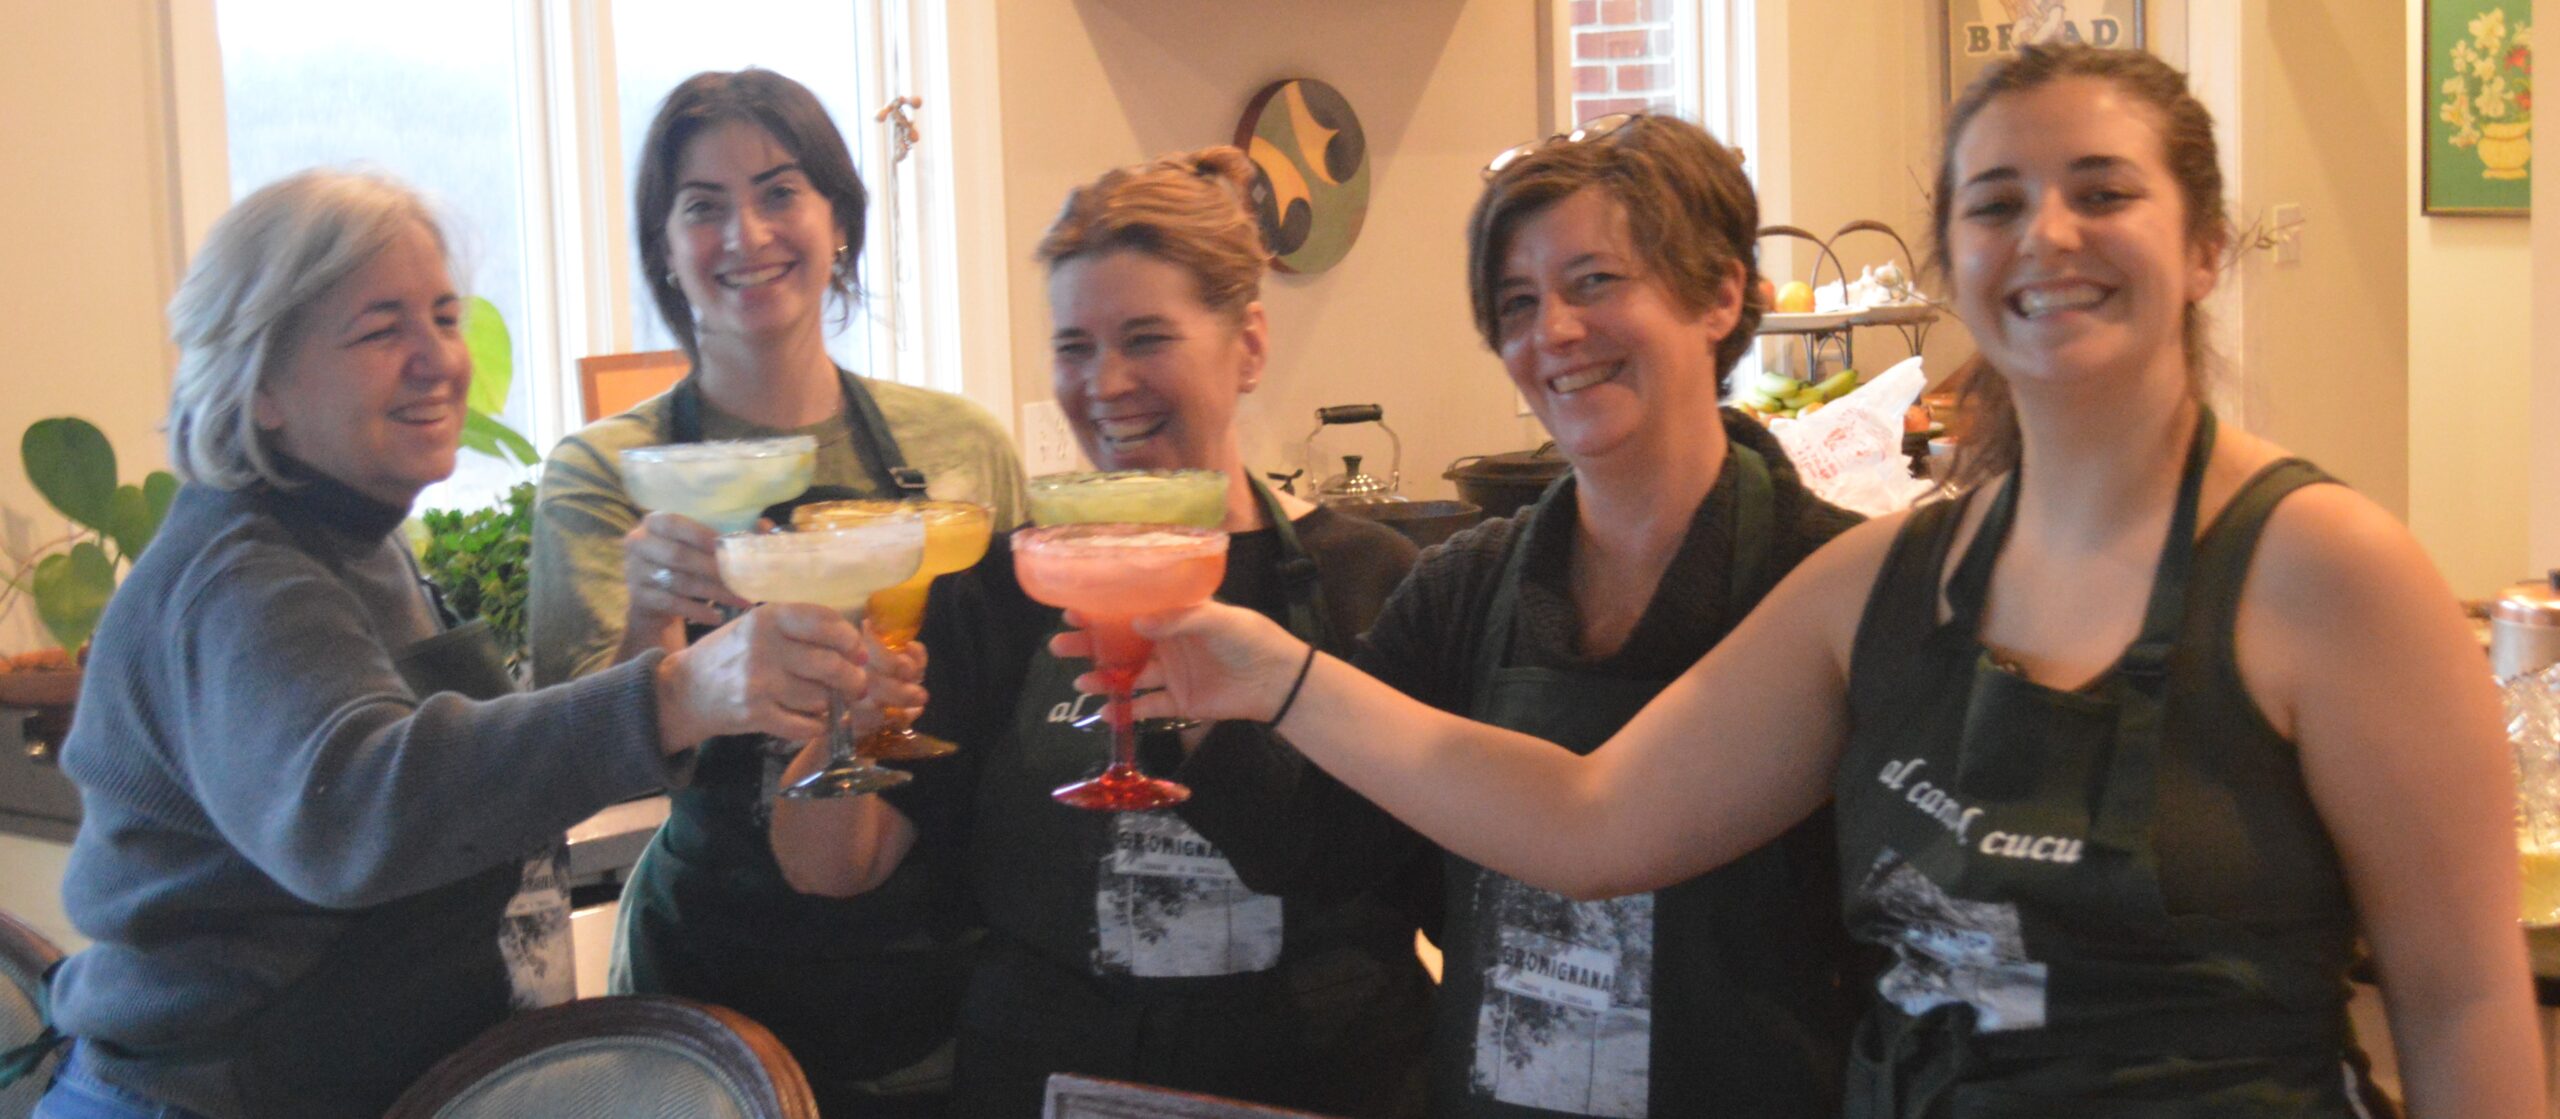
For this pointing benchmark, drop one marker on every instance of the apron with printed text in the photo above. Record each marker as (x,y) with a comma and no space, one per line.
(1126,946)
(2001,839)
(1708,997)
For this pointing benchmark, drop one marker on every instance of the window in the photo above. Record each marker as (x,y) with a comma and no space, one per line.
(521,119)
(1689,57)
(1625,58)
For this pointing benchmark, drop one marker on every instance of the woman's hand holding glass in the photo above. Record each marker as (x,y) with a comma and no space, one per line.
(1212,661)
(671,567)
(771,672)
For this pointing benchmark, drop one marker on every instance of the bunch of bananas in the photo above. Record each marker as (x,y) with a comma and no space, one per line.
(1769,395)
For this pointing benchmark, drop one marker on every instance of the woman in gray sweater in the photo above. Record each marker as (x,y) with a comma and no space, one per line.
(322,835)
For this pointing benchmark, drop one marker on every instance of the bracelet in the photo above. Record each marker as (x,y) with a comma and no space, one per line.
(1291,700)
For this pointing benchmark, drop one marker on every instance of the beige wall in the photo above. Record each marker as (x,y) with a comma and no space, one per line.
(2325,338)
(2542,546)
(90,242)
(1861,97)
(2469,379)
(1439,85)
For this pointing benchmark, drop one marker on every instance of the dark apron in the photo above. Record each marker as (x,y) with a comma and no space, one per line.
(861,990)
(1999,841)
(1126,947)
(1703,998)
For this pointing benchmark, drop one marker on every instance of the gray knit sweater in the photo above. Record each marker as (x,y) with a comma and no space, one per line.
(255,774)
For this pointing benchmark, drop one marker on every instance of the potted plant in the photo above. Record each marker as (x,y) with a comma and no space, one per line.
(482,558)
(70,579)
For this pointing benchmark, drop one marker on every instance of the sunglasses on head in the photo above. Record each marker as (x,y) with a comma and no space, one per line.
(1592,129)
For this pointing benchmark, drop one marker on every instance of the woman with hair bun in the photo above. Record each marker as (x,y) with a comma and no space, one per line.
(1101,959)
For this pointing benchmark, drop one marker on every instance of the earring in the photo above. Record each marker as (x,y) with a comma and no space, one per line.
(671,277)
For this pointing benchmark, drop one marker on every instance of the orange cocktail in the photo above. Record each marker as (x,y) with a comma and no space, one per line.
(955,538)
(1111,574)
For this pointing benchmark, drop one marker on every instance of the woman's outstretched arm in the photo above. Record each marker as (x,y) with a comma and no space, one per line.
(1739,748)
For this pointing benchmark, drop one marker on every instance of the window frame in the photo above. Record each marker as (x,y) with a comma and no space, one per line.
(937,217)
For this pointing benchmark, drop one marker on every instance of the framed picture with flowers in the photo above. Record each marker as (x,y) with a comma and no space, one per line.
(2478,90)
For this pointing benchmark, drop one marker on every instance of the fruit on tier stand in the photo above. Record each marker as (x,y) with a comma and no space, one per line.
(1796,298)
(1768,395)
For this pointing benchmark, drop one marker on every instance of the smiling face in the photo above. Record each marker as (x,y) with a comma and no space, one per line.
(2068,237)
(372,392)
(749,241)
(1605,354)
(1147,373)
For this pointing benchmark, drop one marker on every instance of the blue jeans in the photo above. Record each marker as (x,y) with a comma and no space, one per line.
(78,1094)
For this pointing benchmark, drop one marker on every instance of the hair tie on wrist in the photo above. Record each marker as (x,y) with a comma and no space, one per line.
(1291,700)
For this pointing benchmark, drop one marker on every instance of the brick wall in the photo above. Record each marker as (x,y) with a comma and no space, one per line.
(1622,57)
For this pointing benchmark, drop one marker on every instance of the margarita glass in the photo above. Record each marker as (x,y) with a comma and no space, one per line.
(1190,496)
(1110,574)
(1157,497)
(955,538)
(837,567)
(726,484)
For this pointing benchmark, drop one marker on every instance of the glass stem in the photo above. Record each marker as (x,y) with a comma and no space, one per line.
(839,731)
(1124,730)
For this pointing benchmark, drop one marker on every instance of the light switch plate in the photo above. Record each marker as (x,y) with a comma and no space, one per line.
(2284,222)
(1048,445)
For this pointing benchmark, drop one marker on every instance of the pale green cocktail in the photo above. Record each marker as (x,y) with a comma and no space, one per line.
(1152,497)
(725,485)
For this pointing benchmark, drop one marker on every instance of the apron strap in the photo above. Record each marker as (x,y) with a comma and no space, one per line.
(2124,814)
(1300,581)
(873,443)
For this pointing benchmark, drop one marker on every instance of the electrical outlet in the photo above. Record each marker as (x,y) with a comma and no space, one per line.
(1048,446)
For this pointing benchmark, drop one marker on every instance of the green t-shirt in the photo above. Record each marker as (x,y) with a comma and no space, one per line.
(581,512)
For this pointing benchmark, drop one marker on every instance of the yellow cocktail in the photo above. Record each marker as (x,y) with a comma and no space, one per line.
(955,538)
(1153,497)
(2541,885)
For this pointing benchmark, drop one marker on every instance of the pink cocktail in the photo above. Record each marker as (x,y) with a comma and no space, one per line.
(1111,574)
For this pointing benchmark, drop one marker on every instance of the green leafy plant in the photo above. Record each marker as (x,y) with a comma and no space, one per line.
(70,579)
(493,372)
(482,558)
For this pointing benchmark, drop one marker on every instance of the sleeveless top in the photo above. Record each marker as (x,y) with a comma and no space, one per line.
(2120,898)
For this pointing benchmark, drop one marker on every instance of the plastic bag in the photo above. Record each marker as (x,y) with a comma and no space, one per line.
(1850,452)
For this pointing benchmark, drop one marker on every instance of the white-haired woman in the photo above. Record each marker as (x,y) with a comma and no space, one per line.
(322,837)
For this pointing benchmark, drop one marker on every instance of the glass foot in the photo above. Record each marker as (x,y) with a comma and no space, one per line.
(849,781)
(1121,790)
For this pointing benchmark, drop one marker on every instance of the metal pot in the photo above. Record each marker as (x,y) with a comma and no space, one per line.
(2524,628)
(1503,483)
(1424,522)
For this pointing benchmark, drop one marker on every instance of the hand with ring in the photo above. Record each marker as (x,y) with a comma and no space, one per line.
(671,568)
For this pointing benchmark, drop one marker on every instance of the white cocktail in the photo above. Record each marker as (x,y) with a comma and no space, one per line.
(726,484)
(838,567)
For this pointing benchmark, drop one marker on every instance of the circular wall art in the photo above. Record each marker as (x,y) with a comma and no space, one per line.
(1311,182)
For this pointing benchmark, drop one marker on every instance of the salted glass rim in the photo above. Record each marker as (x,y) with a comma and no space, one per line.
(723,449)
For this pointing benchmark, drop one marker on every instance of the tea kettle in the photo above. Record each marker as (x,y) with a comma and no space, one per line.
(1354,486)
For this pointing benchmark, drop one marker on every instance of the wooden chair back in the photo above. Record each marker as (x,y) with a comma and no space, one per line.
(616,1056)
(609,384)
